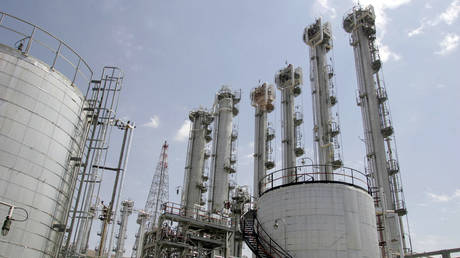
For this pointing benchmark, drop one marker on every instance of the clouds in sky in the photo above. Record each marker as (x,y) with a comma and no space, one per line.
(449,16)
(444,197)
(418,30)
(386,54)
(380,7)
(451,13)
(325,8)
(183,132)
(127,41)
(448,44)
(153,123)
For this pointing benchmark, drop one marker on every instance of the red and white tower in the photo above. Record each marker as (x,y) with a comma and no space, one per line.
(158,194)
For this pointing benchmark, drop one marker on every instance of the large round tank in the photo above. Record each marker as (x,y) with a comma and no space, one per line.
(41,129)
(321,220)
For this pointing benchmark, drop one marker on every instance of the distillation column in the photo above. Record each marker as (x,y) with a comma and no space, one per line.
(288,81)
(262,99)
(326,130)
(194,180)
(378,131)
(126,210)
(142,218)
(221,163)
(240,197)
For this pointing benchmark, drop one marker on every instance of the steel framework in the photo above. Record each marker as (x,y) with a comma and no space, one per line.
(158,194)
(382,160)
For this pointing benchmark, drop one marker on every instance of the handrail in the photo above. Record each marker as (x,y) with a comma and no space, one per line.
(197,214)
(264,238)
(77,70)
(278,249)
(310,173)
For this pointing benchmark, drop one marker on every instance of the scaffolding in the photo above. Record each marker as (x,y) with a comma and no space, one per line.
(101,106)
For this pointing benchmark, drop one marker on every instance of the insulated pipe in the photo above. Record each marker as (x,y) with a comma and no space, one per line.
(286,80)
(126,210)
(318,37)
(360,23)
(193,181)
(221,166)
(261,98)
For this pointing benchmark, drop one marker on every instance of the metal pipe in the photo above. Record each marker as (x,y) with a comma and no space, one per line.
(129,127)
(29,43)
(126,210)
(221,150)
(107,219)
(286,80)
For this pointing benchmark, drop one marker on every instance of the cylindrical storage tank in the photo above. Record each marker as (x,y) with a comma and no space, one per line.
(321,220)
(41,129)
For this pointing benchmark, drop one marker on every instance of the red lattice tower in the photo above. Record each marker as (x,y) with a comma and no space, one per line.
(159,189)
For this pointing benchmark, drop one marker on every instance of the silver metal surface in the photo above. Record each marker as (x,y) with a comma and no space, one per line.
(103,98)
(41,133)
(142,218)
(262,99)
(194,183)
(221,162)
(320,219)
(378,132)
(126,210)
(326,130)
(37,41)
(288,80)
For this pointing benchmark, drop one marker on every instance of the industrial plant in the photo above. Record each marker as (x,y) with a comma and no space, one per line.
(59,121)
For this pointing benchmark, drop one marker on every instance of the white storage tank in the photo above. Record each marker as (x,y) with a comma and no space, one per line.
(41,129)
(320,219)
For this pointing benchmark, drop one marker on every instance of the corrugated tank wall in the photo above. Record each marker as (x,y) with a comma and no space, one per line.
(41,128)
(322,220)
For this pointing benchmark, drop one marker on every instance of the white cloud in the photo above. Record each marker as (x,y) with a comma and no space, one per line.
(451,13)
(126,40)
(153,123)
(323,7)
(386,54)
(416,31)
(183,132)
(448,16)
(448,44)
(444,197)
(380,7)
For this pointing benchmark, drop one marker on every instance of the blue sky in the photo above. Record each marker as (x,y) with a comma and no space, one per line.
(177,54)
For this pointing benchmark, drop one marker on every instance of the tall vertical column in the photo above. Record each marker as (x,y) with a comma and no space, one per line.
(240,197)
(126,210)
(142,218)
(326,129)
(378,131)
(194,185)
(221,163)
(262,98)
(288,81)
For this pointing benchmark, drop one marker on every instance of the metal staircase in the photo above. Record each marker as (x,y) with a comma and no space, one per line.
(258,240)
